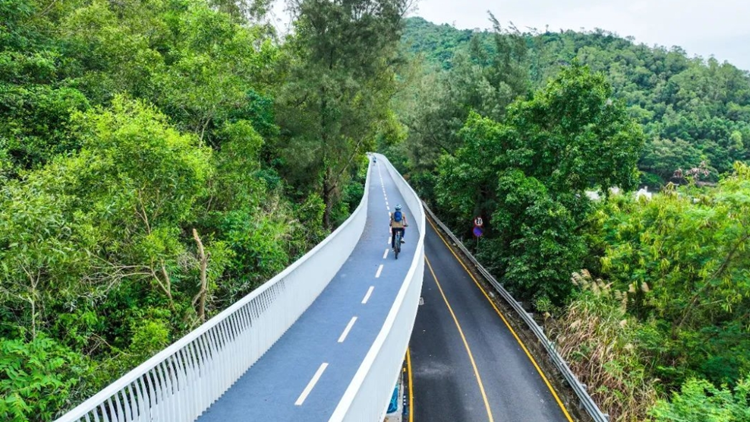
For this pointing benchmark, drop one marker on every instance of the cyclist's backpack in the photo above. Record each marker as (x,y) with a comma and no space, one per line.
(397,217)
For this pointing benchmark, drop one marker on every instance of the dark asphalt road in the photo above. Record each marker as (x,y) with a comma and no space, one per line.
(478,372)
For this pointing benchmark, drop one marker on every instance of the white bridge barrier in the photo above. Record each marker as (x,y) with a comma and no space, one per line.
(183,380)
(368,395)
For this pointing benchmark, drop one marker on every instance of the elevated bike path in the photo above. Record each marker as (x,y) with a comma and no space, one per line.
(305,374)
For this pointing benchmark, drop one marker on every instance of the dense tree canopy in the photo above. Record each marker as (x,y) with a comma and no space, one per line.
(144,179)
(529,176)
(685,253)
(341,61)
(161,159)
(646,299)
(692,110)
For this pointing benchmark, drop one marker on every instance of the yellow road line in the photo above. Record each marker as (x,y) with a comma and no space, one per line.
(468,349)
(411,394)
(507,324)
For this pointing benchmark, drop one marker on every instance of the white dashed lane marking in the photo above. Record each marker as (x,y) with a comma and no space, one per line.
(311,384)
(347,329)
(367,296)
(380,268)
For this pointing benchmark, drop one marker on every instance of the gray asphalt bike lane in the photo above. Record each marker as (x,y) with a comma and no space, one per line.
(445,387)
(269,389)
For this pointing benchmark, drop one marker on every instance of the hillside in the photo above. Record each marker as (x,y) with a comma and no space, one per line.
(646,299)
(692,110)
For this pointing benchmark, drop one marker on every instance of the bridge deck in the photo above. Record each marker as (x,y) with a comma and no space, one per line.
(319,346)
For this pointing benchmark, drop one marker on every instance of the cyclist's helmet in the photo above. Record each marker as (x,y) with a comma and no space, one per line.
(398,207)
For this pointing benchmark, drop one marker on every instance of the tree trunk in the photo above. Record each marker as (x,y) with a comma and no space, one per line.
(33,318)
(327,199)
(167,285)
(201,296)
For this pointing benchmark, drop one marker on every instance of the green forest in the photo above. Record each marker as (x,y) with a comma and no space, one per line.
(546,136)
(160,159)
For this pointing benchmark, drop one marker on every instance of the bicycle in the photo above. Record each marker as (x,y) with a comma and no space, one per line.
(397,246)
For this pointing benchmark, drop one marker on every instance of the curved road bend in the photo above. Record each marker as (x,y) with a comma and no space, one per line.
(304,375)
(466,364)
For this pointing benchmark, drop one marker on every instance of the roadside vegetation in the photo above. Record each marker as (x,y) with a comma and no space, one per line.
(161,159)
(647,299)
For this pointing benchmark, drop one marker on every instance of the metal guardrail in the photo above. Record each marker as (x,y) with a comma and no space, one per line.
(580,389)
(367,396)
(182,381)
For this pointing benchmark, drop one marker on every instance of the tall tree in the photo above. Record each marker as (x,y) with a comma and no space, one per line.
(529,174)
(485,79)
(341,62)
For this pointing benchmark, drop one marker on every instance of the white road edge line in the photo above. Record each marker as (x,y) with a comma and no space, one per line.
(311,384)
(385,254)
(380,268)
(346,330)
(367,296)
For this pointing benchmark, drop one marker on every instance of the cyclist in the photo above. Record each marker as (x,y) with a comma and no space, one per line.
(398,224)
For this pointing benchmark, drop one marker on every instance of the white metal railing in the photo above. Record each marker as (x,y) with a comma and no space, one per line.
(183,380)
(367,396)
